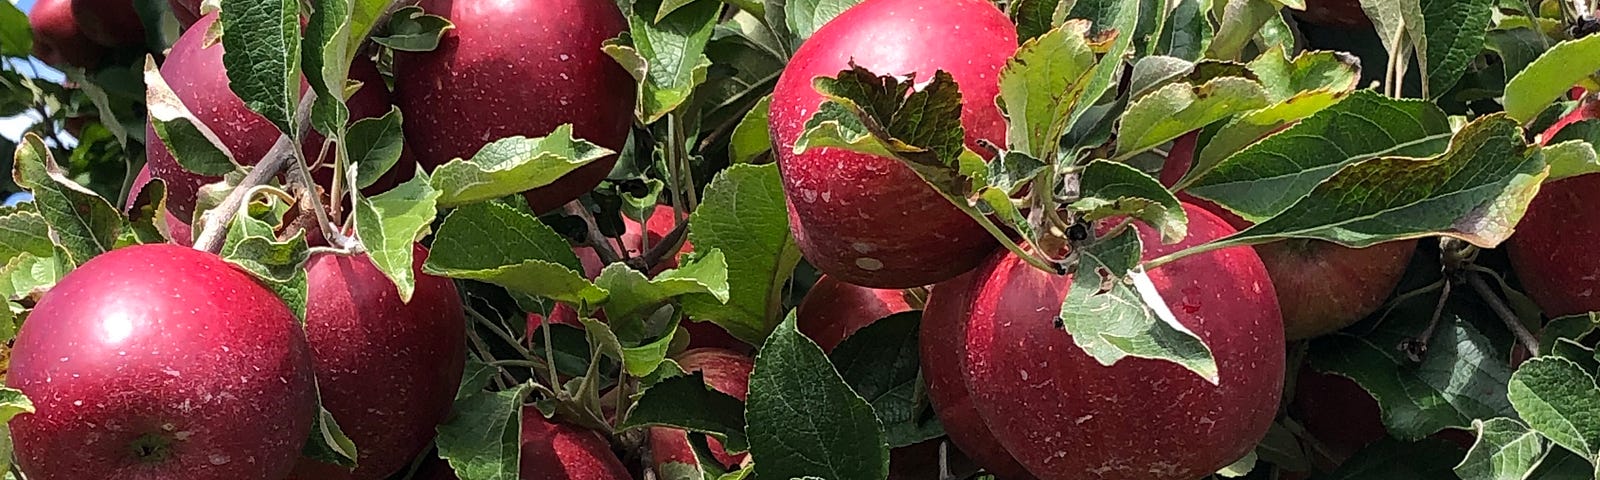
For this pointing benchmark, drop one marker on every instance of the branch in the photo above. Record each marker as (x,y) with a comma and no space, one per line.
(282,152)
(669,245)
(592,236)
(1504,312)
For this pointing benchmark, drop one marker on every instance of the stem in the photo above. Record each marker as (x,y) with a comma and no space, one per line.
(592,236)
(1504,312)
(1416,348)
(669,245)
(306,187)
(1174,256)
(1005,240)
(550,357)
(217,220)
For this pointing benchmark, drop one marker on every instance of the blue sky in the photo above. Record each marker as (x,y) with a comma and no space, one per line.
(12,127)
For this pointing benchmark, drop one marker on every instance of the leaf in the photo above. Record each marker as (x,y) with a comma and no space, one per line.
(1179,108)
(195,146)
(16,36)
(1570,159)
(496,243)
(1265,179)
(1505,449)
(1454,34)
(672,51)
(328,443)
(513,165)
(872,114)
(24,231)
(1112,311)
(803,419)
(13,403)
(1035,18)
(475,377)
(1239,22)
(633,295)
(326,65)
(252,245)
(1476,191)
(1113,189)
(1118,20)
(411,29)
(804,17)
(81,223)
(1240,467)
(261,52)
(1559,400)
(685,402)
(482,438)
(1550,76)
(1188,31)
(373,145)
(26,275)
(751,139)
(1041,86)
(743,215)
(879,362)
(1298,88)
(1389,459)
(390,223)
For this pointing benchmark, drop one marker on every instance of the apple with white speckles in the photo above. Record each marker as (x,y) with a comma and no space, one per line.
(159,362)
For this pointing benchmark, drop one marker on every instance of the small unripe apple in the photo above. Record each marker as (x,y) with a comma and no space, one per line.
(160,361)
(870,220)
(388,369)
(725,371)
(518,67)
(58,37)
(113,23)
(1065,416)
(834,310)
(177,228)
(557,451)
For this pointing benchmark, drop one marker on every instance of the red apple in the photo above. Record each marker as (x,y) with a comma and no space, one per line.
(834,310)
(388,369)
(187,11)
(518,67)
(197,76)
(1334,13)
(941,338)
(558,451)
(1063,415)
(1338,413)
(1322,286)
(113,23)
(160,361)
(1548,252)
(870,220)
(725,371)
(58,38)
(920,461)
(177,228)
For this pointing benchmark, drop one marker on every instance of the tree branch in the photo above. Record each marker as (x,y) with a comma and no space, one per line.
(669,245)
(592,236)
(282,152)
(1504,312)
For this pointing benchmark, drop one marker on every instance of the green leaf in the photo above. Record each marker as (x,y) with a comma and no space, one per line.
(685,402)
(1505,449)
(364,16)
(475,376)
(147,214)
(1559,400)
(804,17)
(1390,459)
(1240,20)
(633,295)
(1568,327)
(1476,191)
(672,51)
(24,231)
(1041,86)
(328,443)
(82,224)
(195,146)
(879,362)
(261,40)
(743,215)
(390,223)
(1265,179)
(1240,467)
(496,243)
(16,36)
(1035,18)
(482,439)
(1298,89)
(1179,108)
(252,245)
(513,165)
(803,419)
(1106,17)
(13,403)
(26,275)
(1188,31)
(373,145)
(1570,159)
(1112,189)
(1549,77)
(751,139)
(411,29)
(1113,311)
(1454,34)
(326,63)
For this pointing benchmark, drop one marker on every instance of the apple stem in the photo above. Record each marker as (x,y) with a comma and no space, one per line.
(669,243)
(592,236)
(217,219)
(1510,318)
(1005,240)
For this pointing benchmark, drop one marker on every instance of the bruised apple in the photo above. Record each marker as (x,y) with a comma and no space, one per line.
(557,451)
(833,310)
(1065,416)
(161,362)
(518,67)
(869,220)
(725,371)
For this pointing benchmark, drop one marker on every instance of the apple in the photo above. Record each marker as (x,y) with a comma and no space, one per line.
(518,67)
(1322,286)
(160,361)
(1063,415)
(870,220)
(388,369)
(187,12)
(1338,413)
(197,76)
(834,310)
(1556,268)
(1334,13)
(725,371)
(113,23)
(59,39)
(177,228)
(557,451)
(920,461)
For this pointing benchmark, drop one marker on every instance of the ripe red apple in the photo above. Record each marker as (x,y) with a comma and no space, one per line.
(558,451)
(725,371)
(1334,13)
(388,370)
(1065,416)
(58,37)
(198,78)
(518,67)
(113,23)
(177,228)
(187,11)
(833,310)
(1548,252)
(160,361)
(942,336)
(869,220)
(1322,286)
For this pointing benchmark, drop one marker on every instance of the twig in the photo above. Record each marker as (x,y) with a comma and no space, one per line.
(1416,348)
(1504,312)
(592,236)
(217,220)
(669,245)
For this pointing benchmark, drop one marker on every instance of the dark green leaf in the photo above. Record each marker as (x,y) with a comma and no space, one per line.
(1188,32)
(83,224)
(804,17)
(1454,35)
(261,40)
(1505,449)
(685,402)
(413,30)
(16,37)
(481,439)
(252,245)
(879,362)
(667,57)
(1179,108)
(1389,459)
(498,244)
(24,231)
(513,165)
(803,419)
(633,295)
(751,139)
(389,223)
(373,145)
(1113,189)
(1560,400)
(328,443)
(195,146)
(1041,86)
(326,63)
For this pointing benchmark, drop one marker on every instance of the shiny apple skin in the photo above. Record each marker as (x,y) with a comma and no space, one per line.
(557,451)
(167,345)
(58,37)
(870,220)
(833,310)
